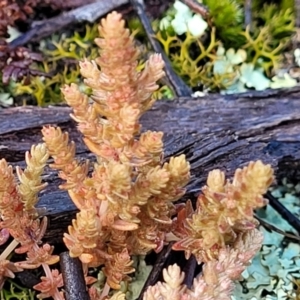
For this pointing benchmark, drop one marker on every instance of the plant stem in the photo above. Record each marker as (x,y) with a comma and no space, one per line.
(47,270)
(105,291)
(10,248)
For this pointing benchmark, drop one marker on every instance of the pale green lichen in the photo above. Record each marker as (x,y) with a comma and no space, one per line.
(284,80)
(184,21)
(46,90)
(275,268)
(180,19)
(261,51)
(185,63)
(6,99)
(140,276)
(297,56)
(253,78)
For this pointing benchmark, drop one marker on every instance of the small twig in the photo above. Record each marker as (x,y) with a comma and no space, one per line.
(105,291)
(189,270)
(74,283)
(274,228)
(157,269)
(248,13)
(180,88)
(297,10)
(197,7)
(200,9)
(284,212)
(90,13)
(9,249)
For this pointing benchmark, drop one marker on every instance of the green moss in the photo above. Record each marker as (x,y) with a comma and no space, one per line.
(287,4)
(134,24)
(281,4)
(279,22)
(72,46)
(228,17)
(62,53)
(164,92)
(46,90)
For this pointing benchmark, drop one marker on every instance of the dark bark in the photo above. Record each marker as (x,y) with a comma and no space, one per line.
(85,11)
(285,213)
(224,132)
(74,284)
(159,264)
(89,12)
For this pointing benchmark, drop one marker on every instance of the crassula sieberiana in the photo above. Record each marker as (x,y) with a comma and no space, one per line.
(126,197)
(126,204)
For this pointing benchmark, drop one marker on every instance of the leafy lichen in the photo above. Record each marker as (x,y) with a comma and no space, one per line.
(274,272)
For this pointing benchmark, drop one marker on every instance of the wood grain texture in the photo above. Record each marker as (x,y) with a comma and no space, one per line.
(223,132)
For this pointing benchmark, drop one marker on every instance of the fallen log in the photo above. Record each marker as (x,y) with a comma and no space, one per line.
(224,132)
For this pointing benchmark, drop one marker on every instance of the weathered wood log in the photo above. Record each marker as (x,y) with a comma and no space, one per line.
(216,131)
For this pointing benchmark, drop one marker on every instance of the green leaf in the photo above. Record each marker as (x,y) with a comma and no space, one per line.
(254,78)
